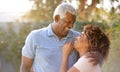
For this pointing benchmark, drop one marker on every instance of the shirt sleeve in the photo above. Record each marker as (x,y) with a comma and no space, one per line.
(83,65)
(28,49)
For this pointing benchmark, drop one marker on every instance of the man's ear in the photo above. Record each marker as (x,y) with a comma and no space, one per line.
(57,18)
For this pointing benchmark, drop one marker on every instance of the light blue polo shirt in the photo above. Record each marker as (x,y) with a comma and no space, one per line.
(46,49)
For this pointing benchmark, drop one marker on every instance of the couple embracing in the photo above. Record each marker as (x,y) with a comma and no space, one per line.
(58,48)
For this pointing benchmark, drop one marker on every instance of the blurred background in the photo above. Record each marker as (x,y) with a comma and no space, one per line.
(19,17)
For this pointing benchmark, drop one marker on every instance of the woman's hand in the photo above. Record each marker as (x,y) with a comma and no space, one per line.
(67,49)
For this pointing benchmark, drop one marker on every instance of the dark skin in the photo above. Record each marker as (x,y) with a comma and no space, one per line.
(61,26)
(81,45)
(26,64)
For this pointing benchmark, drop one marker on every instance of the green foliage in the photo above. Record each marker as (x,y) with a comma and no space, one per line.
(12,38)
(12,41)
(112,64)
(79,25)
(42,11)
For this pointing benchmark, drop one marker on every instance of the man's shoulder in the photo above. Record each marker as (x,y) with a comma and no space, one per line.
(76,33)
(38,31)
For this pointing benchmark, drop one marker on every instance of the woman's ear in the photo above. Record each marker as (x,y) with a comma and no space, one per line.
(57,18)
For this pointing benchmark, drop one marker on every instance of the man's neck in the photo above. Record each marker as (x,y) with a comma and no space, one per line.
(54,29)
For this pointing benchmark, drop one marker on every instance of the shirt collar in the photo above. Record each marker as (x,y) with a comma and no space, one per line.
(50,32)
(70,34)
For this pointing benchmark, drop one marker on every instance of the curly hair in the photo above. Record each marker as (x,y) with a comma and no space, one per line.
(97,39)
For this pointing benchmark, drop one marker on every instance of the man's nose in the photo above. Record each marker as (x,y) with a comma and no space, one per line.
(70,26)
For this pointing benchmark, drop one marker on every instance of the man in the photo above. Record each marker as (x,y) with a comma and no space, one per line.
(43,48)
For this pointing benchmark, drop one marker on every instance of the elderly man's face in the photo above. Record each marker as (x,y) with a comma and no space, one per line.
(65,24)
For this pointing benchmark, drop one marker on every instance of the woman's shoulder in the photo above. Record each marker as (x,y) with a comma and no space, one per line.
(84,65)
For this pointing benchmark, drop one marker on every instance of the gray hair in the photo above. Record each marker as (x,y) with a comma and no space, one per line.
(63,8)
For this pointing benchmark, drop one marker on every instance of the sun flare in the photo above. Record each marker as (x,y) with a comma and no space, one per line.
(15,5)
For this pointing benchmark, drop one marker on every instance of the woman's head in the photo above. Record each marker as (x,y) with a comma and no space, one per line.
(81,43)
(92,39)
(97,40)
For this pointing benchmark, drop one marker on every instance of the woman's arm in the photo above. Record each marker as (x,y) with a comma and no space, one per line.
(67,49)
(64,64)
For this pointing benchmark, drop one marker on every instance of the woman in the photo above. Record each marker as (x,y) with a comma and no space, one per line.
(92,39)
